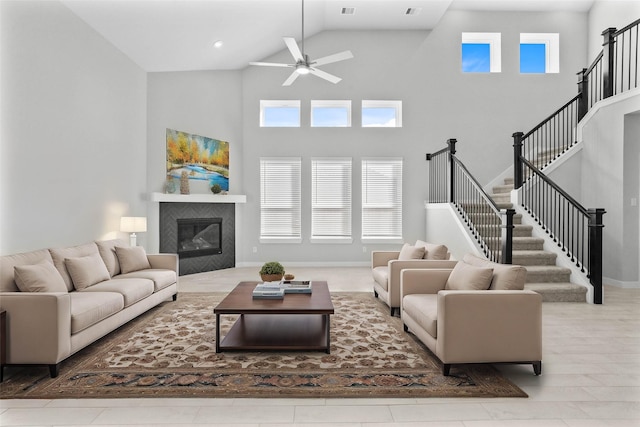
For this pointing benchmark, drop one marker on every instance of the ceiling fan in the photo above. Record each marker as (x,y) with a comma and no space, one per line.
(303,64)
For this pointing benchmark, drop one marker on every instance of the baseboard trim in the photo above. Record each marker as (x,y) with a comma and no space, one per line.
(310,264)
(621,284)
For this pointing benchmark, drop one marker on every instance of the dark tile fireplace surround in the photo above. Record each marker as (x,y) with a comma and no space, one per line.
(206,235)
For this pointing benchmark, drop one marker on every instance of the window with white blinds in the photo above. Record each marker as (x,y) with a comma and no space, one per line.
(382,199)
(280,200)
(331,200)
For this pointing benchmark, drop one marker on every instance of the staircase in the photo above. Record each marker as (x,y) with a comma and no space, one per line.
(543,275)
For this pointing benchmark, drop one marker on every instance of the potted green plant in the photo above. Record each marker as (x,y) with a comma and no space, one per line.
(271,271)
(216,188)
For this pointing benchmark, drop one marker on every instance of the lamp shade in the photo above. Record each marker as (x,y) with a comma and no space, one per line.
(133,224)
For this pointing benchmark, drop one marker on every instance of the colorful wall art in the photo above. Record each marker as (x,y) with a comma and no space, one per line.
(204,159)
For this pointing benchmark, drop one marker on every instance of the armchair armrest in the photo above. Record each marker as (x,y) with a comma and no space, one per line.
(423,281)
(396,267)
(489,326)
(38,326)
(381,258)
(164,261)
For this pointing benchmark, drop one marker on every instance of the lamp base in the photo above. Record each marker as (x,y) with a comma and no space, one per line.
(132,239)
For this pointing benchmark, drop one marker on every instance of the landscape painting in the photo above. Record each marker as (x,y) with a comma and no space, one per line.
(204,159)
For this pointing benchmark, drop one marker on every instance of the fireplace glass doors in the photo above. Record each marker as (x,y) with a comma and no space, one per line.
(199,237)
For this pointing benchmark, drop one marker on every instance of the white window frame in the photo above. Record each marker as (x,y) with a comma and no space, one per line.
(372,209)
(494,40)
(271,103)
(551,41)
(334,204)
(397,105)
(331,104)
(276,202)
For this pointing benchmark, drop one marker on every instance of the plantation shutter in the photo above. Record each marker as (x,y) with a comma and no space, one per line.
(382,198)
(280,198)
(331,199)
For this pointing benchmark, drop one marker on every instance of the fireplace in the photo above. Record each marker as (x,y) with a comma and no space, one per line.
(199,237)
(207,240)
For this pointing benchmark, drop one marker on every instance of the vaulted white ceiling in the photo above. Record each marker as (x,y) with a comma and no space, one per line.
(178,35)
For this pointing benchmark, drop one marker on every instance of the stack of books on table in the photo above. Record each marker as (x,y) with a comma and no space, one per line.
(276,290)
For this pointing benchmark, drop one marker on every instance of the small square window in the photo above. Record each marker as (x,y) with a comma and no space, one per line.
(280,113)
(539,53)
(382,114)
(481,53)
(330,113)
(532,58)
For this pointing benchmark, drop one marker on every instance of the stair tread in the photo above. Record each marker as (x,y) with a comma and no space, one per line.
(546,268)
(559,291)
(533,253)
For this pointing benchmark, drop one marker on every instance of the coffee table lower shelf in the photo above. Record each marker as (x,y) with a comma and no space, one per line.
(277,332)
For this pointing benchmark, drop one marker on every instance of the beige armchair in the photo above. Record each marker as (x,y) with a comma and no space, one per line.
(387,265)
(499,323)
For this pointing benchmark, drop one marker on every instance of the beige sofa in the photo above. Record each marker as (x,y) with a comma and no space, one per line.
(60,300)
(476,312)
(387,265)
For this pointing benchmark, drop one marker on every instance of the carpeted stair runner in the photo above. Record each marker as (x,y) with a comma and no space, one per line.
(543,275)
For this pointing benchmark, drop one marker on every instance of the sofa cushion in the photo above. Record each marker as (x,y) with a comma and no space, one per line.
(86,271)
(381,276)
(60,254)
(469,277)
(410,252)
(132,290)
(107,250)
(88,308)
(41,277)
(423,308)
(433,251)
(161,278)
(132,258)
(8,262)
(505,276)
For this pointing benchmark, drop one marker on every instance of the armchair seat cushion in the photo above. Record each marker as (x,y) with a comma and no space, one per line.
(423,308)
(381,276)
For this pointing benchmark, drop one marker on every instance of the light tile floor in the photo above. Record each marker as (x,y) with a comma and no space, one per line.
(590,378)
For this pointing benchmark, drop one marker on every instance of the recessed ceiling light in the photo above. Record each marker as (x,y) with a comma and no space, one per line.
(348,11)
(413,11)
(218,44)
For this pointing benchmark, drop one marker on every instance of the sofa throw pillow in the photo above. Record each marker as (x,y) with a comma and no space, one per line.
(410,252)
(86,271)
(433,251)
(506,277)
(132,258)
(465,277)
(41,277)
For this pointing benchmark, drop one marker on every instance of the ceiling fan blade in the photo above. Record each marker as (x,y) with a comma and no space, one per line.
(323,74)
(292,78)
(293,48)
(270,64)
(333,58)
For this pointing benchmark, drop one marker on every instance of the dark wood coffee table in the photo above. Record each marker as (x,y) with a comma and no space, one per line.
(296,322)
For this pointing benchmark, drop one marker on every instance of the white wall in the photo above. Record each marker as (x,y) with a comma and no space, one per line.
(608,181)
(73,120)
(439,102)
(206,103)
(609,14)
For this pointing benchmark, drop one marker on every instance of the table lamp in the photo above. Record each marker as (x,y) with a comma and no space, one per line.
(133,225)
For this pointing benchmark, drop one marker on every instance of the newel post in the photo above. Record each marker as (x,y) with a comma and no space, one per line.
(452,171)
(583,90)
(595,252)
(608,55)
(517,160)
(506,237)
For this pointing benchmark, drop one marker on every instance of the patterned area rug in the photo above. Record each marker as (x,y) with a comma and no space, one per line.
(170,352)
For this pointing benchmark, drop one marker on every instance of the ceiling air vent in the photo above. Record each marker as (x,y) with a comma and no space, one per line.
(348,11)
(413,11)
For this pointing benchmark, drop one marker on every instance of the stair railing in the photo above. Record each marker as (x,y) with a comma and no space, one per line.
(451,182)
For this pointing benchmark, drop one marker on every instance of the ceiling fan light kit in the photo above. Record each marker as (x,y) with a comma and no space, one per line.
(302,64)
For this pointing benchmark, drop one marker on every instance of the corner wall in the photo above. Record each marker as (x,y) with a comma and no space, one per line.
(73,117)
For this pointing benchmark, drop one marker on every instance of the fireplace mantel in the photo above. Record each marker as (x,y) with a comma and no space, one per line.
(198,198)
